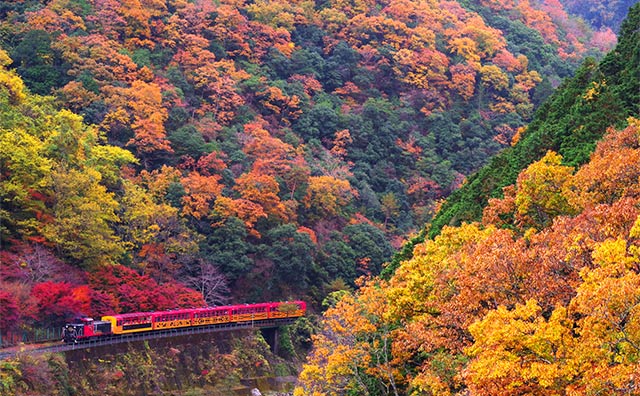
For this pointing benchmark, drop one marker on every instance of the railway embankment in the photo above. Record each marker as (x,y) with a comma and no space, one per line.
(202,364)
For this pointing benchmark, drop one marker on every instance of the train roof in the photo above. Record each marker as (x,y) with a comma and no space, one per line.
(218,307)
(200,309)
(128,315)
(172,312)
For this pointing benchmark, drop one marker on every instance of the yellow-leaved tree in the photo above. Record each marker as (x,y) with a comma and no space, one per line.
(540,192)
(591,346)
(352,353)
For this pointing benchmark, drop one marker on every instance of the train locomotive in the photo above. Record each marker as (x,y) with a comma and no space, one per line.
(136,322)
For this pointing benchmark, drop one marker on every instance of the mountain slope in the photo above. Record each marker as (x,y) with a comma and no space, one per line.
(283,147)
(570,122)
(540,298)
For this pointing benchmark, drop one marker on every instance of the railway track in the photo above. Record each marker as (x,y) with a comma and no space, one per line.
(29,349)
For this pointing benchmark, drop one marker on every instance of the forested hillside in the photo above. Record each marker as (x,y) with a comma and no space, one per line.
(570,123)
(541,295)
(609,13)
(248,150)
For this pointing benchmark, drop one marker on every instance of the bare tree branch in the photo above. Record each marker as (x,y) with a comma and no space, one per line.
(212,283)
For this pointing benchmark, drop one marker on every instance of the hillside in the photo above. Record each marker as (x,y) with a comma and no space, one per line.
(247,151)
(609,13)
(541,295)
(570,123)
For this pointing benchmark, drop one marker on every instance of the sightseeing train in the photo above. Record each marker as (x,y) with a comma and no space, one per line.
(136,322)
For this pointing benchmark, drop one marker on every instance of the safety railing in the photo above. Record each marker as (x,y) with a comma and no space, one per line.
(29,336)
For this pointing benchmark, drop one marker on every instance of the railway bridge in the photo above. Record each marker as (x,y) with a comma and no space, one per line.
(269,328)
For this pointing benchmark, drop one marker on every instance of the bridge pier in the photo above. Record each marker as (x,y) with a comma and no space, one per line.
(272,336)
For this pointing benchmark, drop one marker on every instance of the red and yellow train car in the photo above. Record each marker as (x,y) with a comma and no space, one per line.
(249,312)
(289,309)
(130,322)
(172,319)
(211,316)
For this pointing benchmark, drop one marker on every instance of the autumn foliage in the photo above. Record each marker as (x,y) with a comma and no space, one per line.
(284,146)
(542,298)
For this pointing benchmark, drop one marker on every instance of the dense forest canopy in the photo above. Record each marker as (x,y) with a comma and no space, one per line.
(281,149)
(609,13)
(541,294)
(570,122)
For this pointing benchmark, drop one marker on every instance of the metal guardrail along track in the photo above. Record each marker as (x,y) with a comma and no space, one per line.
(117,339)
